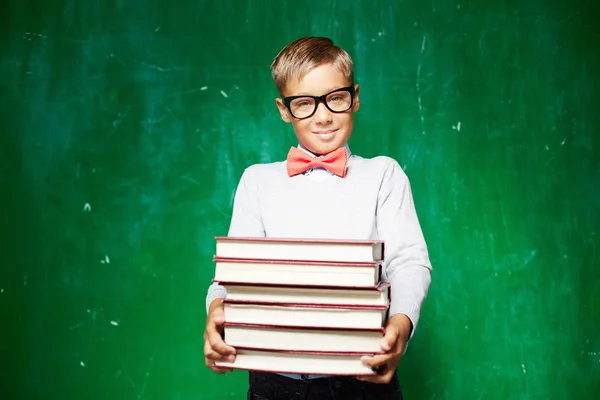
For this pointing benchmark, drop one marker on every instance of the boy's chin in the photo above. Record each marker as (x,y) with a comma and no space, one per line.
(321,149)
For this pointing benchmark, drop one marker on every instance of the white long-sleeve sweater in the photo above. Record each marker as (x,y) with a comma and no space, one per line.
(373,201)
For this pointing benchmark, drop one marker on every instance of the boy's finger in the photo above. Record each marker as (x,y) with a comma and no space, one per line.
(384,378)
(208,351)
(219,370)
(218,345)
(214,356)
(218,316)
(375,361)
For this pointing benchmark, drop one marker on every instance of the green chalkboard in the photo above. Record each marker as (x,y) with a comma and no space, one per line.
(127,124)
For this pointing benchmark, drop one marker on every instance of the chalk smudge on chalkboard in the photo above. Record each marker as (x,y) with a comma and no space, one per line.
(117,59)
(82,363)
(93,315)
(141,392)
(157,68)
(419,84)
(87,207)
(524,370)
(189,91)
(77,326)
(121,116)
(529,257)
(105,261)
(115,323)
(224,94)
(29,35)
(188,178)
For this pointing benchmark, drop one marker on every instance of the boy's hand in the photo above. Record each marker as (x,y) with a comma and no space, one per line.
(215,347)
(397,332)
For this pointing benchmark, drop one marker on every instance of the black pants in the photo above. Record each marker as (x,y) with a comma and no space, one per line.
(268,386)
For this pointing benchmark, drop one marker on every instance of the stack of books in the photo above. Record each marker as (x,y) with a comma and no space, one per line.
(302,306)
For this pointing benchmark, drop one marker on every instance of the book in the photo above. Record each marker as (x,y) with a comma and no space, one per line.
(297,362)
(308,273)
(299,249)
(316,339)
(299,315)
(378,295)
(313,306)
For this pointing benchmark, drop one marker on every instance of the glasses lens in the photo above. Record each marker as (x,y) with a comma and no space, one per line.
(339,101)
(302,107)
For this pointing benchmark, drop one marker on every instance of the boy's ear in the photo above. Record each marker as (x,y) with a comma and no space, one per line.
(356,104)
(285,116)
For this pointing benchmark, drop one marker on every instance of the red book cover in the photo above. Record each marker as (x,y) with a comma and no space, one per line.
(309,352)
(307,305)
(302,352)
(296,240)
(379,287)
(318,328)
(372,264)
(304,285)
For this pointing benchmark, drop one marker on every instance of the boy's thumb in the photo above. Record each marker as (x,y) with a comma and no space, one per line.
(390,337)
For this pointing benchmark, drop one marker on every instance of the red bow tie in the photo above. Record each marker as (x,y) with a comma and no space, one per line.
(335,162)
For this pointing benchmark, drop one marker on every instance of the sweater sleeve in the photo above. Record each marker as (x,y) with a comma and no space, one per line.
(245,221)
(406,265)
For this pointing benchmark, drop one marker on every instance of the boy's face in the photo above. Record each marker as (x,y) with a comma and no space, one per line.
(324,131)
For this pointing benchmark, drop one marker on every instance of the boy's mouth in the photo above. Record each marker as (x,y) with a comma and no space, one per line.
(326,135)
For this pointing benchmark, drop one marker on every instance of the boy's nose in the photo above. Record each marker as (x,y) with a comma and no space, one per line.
(322,114)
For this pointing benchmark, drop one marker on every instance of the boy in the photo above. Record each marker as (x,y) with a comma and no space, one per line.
(323,190)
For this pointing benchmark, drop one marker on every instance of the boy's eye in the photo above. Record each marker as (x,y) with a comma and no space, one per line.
(303,103)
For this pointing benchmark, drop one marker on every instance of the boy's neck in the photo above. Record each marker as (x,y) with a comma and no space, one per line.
(320,155)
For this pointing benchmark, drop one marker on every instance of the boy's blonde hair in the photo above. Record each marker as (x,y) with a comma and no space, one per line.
(302,55)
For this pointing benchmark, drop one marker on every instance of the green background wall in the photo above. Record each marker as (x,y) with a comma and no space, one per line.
(126,125)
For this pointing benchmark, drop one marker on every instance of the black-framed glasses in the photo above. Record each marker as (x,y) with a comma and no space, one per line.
(336,101)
